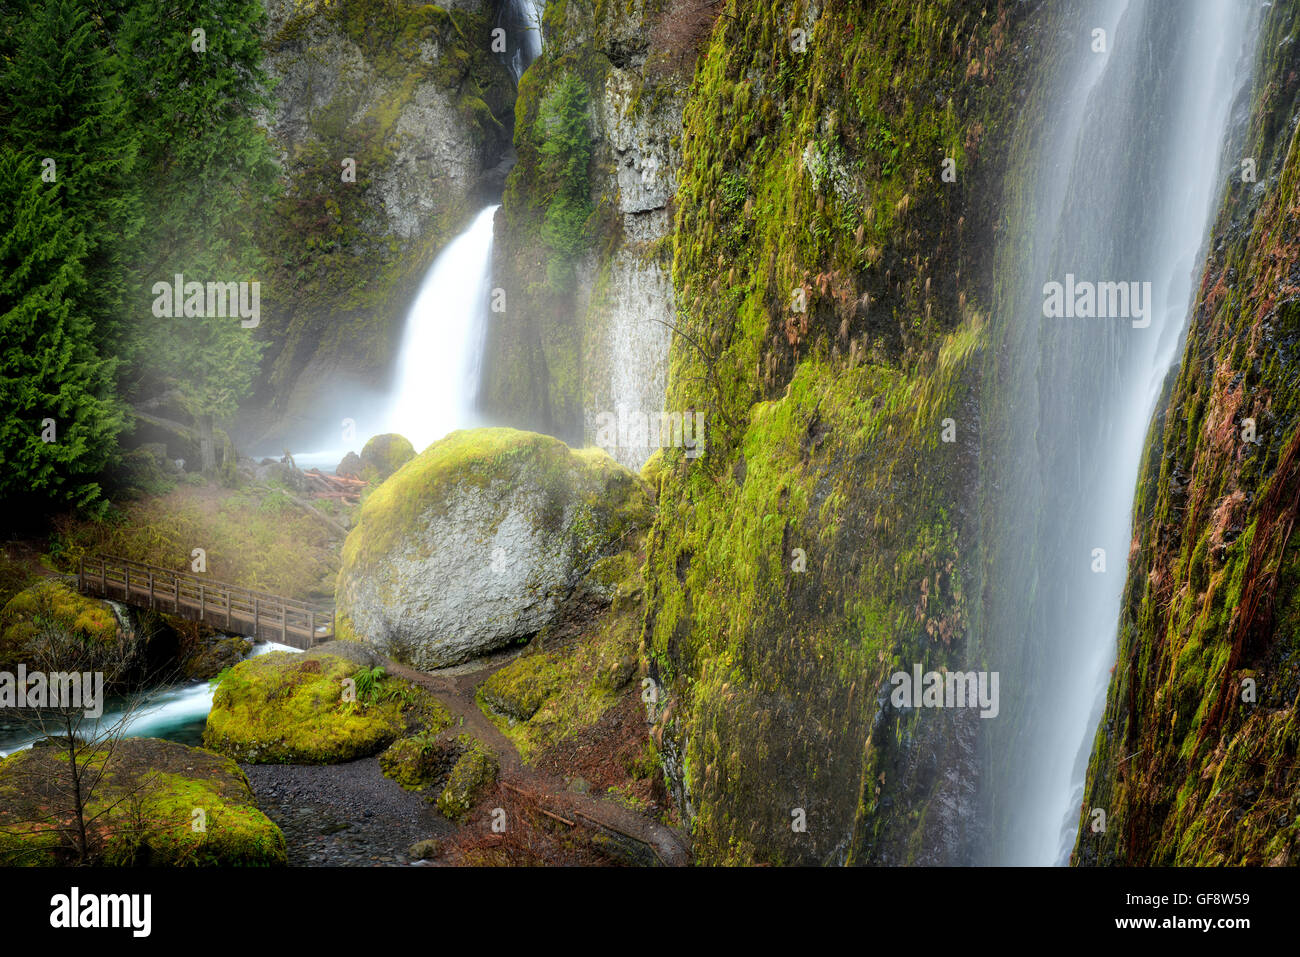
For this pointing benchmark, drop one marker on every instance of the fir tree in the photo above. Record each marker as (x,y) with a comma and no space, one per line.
(63,108)
(53,382)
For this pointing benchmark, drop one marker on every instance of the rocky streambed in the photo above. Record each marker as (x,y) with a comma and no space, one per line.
(344,815)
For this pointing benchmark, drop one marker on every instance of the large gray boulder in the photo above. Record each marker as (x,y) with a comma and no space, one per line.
(475,543)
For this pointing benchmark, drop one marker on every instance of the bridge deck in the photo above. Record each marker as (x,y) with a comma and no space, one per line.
(221,605)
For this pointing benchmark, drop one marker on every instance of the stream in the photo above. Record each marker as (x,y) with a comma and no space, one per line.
(173,712)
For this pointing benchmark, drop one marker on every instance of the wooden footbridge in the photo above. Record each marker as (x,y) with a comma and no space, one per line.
(197,598)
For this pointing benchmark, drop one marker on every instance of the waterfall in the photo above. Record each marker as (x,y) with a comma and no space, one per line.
(530,14)
(442,348)
(1128,167)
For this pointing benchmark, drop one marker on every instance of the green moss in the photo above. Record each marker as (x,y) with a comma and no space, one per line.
(822,540)
(285,708)
(152,802)
(419,761)
(545,696)
(383,455)
(58,605)
(520,688)
(473,775)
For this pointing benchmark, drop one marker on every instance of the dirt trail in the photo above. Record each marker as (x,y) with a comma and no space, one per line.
(668,846)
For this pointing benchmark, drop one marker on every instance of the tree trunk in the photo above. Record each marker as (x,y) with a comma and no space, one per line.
(207,445)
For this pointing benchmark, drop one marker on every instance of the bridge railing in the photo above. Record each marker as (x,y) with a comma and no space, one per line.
(197,598)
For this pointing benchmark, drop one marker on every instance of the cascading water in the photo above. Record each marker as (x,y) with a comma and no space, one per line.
(442,349)
(528,13)
(176,713)
(1128,168)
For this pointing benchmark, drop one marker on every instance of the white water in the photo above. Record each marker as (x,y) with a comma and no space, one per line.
(159,713)
(529,13)
(442,350)
(1127,180)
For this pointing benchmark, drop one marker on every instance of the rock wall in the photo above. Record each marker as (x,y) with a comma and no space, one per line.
(563,353)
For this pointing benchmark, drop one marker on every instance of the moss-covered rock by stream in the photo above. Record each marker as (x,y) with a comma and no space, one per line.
(54,604)
(314,708)
(152,802)
(1194,761)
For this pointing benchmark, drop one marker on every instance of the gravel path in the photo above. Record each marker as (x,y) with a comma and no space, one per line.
(343,815)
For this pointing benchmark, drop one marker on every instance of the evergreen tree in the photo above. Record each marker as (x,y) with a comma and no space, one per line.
(195,99)
(566,157)
(53,382)
(63,108)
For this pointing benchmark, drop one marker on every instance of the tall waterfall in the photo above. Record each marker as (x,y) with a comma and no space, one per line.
(1127,167)
(442,350)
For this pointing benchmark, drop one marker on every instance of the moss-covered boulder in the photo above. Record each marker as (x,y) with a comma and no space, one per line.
(474,774)
(384,455)
(476,542)
(314,708)
(519,689)
(420,760)
(149,802)
(52,603)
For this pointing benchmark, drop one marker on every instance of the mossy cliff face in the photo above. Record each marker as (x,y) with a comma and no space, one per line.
(1194,762)
(413,96)
(475,543)
(153,803)
(580,250)
(829,284)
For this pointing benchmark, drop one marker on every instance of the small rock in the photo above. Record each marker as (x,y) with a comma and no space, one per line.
(425,850)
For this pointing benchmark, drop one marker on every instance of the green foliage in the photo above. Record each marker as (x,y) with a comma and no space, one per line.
(565,160)
(368,681)
(49,365)
(208,169)
(61,100)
